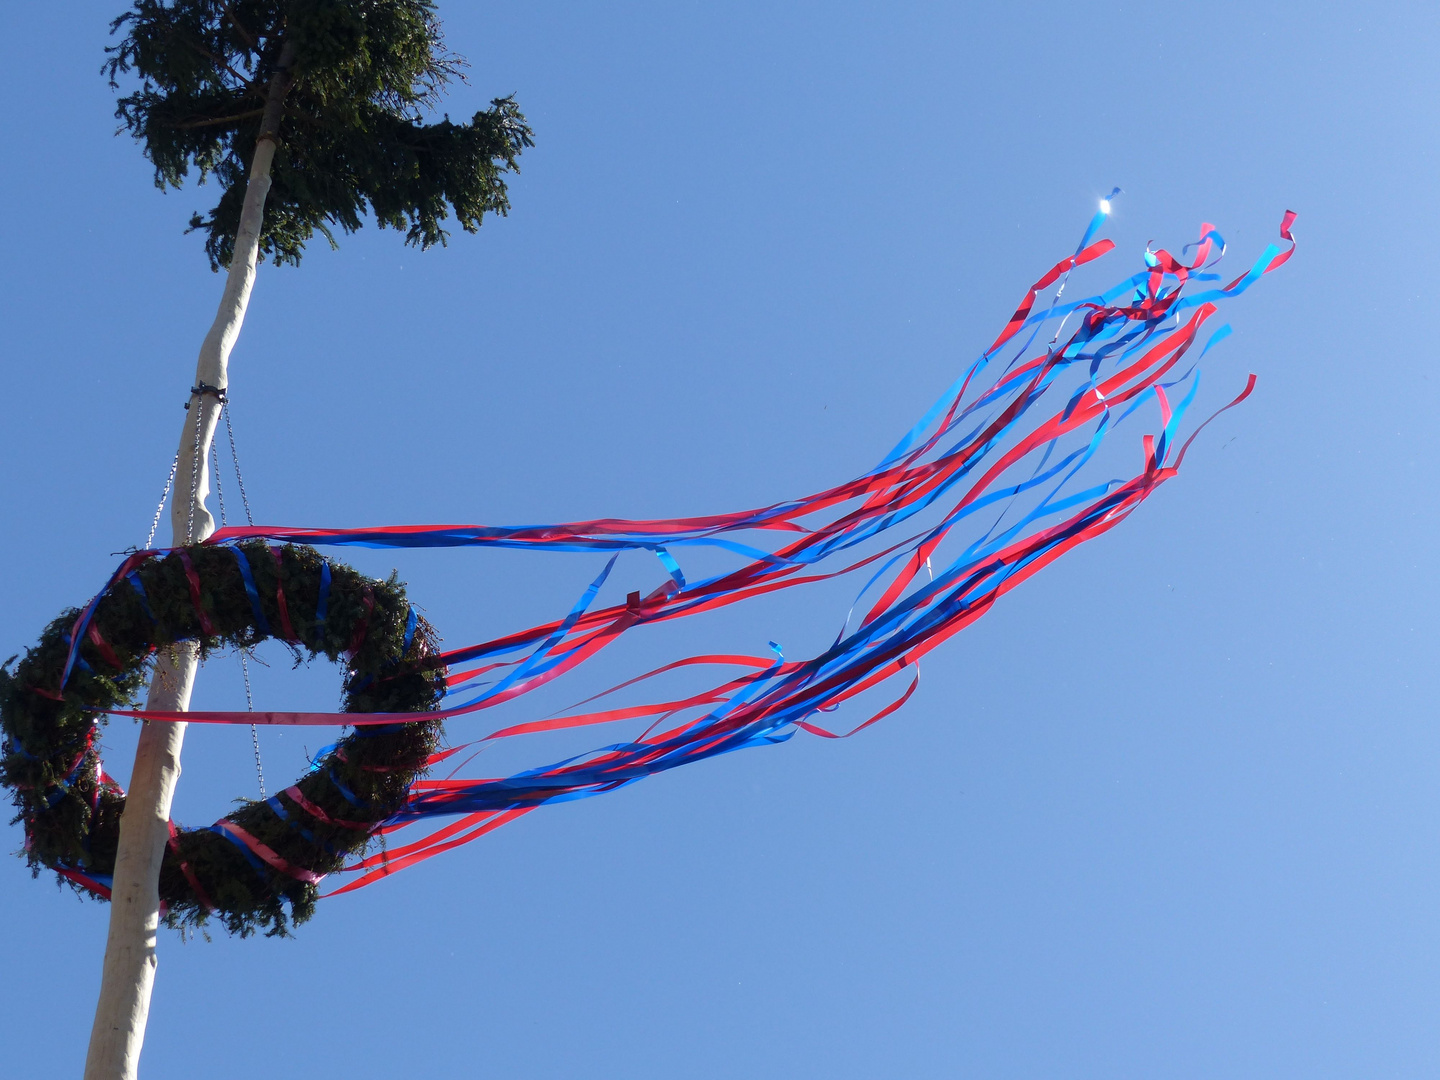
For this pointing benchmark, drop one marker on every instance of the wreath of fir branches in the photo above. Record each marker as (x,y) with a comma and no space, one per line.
(266,855)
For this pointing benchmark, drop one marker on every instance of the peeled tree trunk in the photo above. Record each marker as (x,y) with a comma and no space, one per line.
(130,958)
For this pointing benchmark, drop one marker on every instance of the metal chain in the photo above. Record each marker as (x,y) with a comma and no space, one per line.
(194,473)
(235,458)
(254,734)
(245,500)
(190,534)
(160,507)
(219,487)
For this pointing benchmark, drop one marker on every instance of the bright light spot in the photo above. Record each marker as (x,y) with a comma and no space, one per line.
(1104,206)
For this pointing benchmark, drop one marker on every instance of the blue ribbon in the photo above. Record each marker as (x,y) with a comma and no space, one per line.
(262,624)
(322,605)
(139,586)
(410,622)
(254,860)
(274,803)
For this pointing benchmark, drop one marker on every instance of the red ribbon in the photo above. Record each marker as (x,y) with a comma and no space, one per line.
(298,797)
(268,855)
(174,845)
(286,630)
(106,652)
(206,626)
(363,627)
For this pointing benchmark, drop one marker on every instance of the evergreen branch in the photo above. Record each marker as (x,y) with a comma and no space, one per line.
(190,125)
(221,62)
(250,39)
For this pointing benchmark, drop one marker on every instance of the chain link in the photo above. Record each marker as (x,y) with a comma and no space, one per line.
(254,733)
(194,472)
(219,487)
(160,506)
(235,458)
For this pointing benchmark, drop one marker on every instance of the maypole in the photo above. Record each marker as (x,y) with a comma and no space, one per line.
(215,79)
(128,975)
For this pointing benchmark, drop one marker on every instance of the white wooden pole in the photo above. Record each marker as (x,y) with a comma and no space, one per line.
(130,959)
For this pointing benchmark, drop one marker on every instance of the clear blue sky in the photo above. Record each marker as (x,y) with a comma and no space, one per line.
(1170,810)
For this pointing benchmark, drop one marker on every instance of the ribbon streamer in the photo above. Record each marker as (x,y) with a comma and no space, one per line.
(1010,438)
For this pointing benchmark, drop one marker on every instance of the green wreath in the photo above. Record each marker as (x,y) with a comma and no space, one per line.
(265,855)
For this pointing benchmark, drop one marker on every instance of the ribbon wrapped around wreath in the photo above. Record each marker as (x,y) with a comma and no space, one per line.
(246,868)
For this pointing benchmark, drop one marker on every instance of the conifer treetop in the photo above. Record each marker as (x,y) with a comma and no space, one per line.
(356,78)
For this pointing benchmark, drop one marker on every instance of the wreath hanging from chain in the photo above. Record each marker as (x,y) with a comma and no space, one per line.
(268,855)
